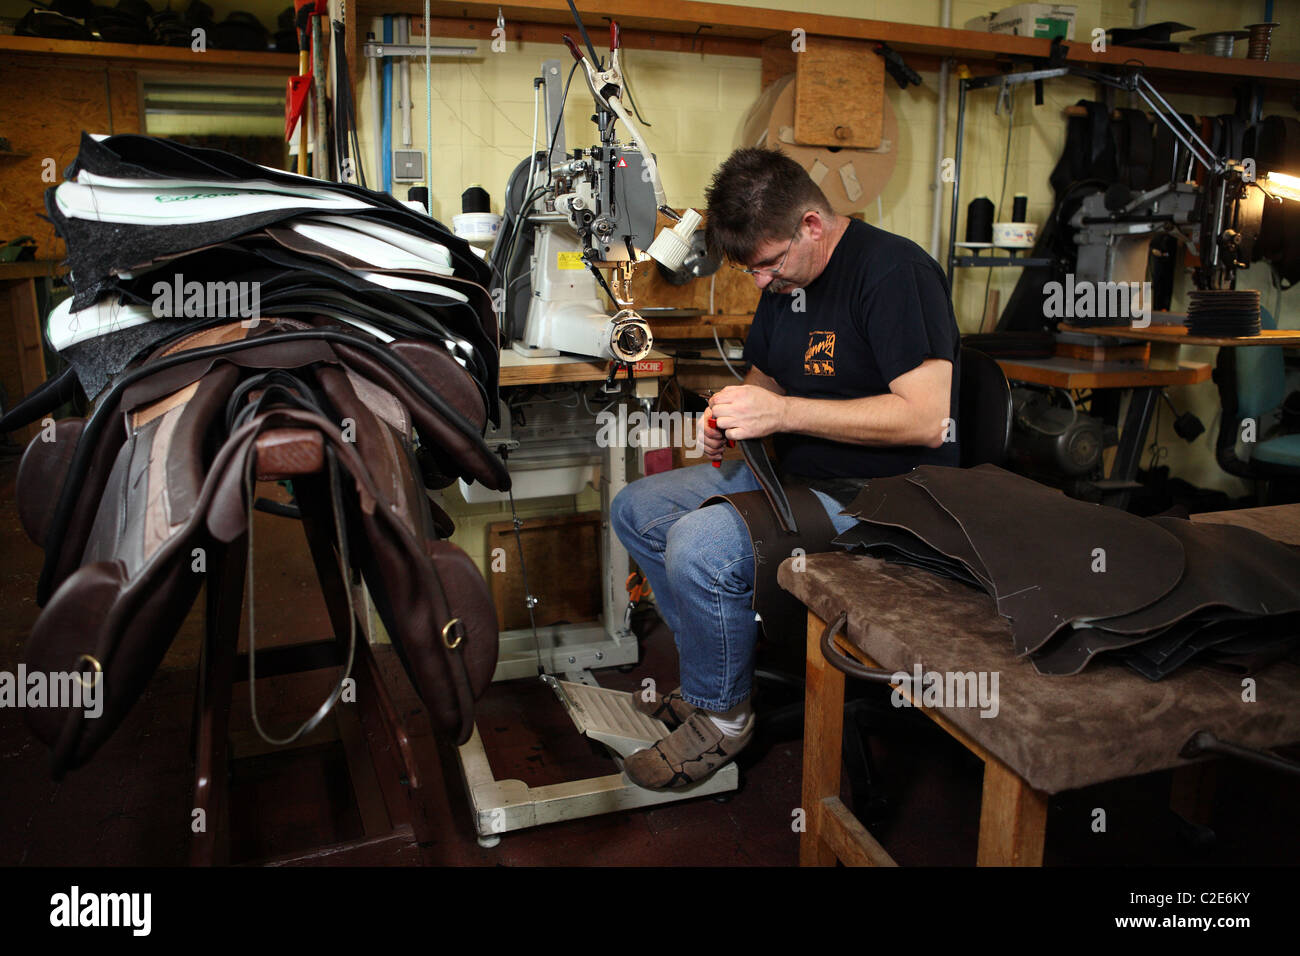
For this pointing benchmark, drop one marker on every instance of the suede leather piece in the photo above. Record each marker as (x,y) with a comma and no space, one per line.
(1105,724)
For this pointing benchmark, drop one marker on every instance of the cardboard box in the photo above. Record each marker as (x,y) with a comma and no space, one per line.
(1043,20)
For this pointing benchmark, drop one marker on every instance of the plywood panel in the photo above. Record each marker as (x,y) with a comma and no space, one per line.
(727,292)
(562,555)
(46,108)
(839,94)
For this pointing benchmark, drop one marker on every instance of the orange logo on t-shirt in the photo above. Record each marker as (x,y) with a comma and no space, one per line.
(819,358)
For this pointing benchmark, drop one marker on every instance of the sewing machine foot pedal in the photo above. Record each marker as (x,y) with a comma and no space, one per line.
(607,716)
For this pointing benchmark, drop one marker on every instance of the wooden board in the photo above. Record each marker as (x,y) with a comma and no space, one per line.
(209,60)
(73,97)
(1071,373)
(563,558)
(517,370)
(1103,353)
(1177,335)
(839,94)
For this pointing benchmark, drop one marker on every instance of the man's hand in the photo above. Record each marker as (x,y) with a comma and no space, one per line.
(747,411)
(711,440)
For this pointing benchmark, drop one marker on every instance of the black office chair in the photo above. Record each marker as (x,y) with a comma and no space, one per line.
(983,410)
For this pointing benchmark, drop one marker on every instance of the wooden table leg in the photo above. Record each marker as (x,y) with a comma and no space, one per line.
(1013,819)
(823,727)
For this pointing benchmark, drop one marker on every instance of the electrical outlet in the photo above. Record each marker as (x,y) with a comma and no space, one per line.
(408,165)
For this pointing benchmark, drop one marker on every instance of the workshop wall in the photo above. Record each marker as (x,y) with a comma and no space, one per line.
(696,104)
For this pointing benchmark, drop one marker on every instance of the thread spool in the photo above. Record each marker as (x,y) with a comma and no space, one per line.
(1260,40)
(419,194)
(850,178)
(475,199)
(1019,208)
(979,220)
(1221,43)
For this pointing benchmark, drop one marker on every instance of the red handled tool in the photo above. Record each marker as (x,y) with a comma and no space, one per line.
(713,423)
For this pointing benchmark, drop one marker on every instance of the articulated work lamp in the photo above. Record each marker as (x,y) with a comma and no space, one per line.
(1282,185)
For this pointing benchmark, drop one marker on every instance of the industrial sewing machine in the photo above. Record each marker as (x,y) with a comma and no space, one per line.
(568,217)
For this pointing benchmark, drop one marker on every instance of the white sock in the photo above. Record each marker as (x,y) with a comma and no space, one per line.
(733,721)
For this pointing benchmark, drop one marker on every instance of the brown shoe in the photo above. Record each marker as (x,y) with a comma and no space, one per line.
(671,708)
(689,754)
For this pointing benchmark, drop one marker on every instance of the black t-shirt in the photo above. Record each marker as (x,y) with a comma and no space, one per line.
(878,310)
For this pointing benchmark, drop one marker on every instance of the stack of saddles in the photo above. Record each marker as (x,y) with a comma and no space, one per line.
(1077,580)
(230,324)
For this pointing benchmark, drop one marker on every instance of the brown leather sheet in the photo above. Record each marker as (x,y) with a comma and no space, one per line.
(899,503)
(903,547)
(1230,573)
(1054,560)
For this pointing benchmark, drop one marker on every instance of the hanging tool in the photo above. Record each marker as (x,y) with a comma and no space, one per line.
(897,68)
(299,87)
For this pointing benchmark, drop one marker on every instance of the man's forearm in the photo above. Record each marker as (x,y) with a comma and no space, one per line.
(873,420)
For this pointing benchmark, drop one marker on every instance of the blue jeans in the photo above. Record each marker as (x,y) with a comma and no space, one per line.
(700,564)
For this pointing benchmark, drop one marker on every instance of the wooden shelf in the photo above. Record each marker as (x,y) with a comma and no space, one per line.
(31,268)
(740,30)
(170,56)
(1178,335)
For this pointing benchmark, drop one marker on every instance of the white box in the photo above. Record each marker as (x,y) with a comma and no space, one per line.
(1036,20)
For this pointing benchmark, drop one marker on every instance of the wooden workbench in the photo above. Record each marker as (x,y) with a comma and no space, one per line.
(1020,766)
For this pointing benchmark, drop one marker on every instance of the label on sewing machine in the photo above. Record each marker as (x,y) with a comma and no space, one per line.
(570,260)
(651,366)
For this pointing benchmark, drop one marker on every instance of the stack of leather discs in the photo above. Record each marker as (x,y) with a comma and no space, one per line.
(1223,312)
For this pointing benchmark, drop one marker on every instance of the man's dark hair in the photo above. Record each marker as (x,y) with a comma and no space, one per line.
(757,196)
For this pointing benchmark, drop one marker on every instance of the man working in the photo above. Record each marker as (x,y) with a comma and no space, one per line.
(852,359)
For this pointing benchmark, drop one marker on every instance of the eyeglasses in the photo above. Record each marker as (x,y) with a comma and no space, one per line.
(773,270)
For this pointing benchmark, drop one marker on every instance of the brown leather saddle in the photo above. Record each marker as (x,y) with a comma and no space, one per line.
(165,468)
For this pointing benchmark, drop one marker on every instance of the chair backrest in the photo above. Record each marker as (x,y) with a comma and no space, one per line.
(1261,374)
(983,409)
